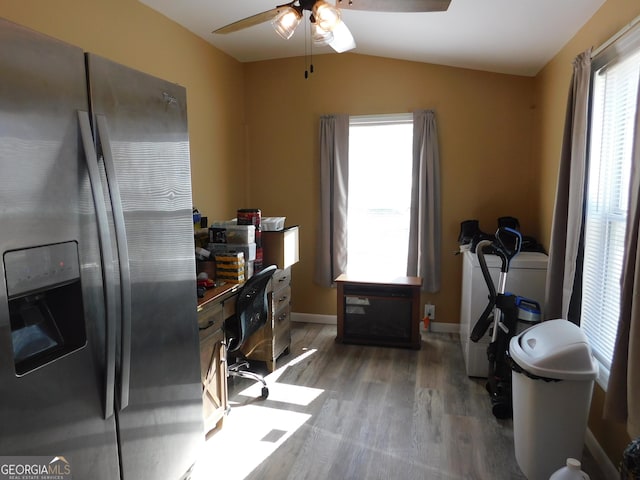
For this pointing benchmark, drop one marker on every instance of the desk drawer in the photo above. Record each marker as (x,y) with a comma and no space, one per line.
(281,278)
(210,319)
(280,298)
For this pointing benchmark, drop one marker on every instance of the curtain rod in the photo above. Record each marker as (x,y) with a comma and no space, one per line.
(615,37)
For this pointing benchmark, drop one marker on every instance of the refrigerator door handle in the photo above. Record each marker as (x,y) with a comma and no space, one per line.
(107,259)
(123,257)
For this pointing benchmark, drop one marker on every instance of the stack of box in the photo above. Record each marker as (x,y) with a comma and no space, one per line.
(231,238)
(252,216)
(230,267)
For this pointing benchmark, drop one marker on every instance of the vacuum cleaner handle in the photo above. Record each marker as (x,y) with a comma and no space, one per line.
(483,266)
(508,249)
(485,320)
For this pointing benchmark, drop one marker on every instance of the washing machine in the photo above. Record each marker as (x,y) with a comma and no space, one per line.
(526,278)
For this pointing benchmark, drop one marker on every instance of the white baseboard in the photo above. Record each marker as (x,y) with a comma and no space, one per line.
(314,318)
(442,327)
(332,320)
(602,459)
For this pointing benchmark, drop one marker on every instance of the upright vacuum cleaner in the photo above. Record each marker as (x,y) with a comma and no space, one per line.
(504,312)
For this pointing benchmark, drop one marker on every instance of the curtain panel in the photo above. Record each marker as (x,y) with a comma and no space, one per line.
(425,218)
(331,242)
(562,289)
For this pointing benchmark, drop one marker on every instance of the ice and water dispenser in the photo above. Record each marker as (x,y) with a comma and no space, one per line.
(44,297)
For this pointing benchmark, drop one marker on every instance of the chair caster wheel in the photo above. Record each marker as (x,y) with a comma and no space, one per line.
(265,393)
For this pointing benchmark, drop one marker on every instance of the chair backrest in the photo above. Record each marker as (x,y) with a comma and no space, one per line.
(251,308)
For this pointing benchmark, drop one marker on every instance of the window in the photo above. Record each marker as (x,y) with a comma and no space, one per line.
(611,136)
(380,163)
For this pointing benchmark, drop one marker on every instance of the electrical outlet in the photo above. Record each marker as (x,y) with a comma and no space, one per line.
(430,311)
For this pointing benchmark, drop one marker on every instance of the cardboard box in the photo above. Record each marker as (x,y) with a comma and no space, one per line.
(281,248)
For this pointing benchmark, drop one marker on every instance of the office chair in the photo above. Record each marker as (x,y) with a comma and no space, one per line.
(251,315)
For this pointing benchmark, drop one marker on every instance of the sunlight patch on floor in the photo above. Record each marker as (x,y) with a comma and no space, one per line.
(283,392)
(250,434)
(252,431)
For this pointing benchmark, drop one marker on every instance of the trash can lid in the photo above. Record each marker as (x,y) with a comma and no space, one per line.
(555,349)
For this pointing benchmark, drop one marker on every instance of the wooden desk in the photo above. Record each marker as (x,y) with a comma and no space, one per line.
(267,344)
(379,312)
(218,304)
(218,294)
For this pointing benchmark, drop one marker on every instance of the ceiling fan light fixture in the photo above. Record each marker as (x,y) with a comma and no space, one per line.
(342,39)
(286,21)
(326,15)
(320,36)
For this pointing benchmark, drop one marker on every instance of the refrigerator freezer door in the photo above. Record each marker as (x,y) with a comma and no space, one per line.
(52,400)
(144,121)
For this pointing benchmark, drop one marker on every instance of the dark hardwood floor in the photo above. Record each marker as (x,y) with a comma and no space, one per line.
(360,412)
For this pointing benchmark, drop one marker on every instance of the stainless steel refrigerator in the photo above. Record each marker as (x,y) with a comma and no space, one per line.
(99,359)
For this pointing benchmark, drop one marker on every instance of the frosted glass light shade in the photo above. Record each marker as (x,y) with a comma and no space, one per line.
(327,16)
(286,21)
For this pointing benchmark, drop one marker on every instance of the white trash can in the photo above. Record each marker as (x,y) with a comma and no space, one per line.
(552,383)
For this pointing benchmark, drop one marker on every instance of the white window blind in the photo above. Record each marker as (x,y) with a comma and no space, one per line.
(615,88)
(379,204)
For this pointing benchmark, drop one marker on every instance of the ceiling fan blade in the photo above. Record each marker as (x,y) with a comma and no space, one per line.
(342,38)
(250,21)
(394,5)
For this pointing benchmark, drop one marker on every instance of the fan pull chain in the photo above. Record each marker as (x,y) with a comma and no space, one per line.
(308,54)
(306,71)
(311,57)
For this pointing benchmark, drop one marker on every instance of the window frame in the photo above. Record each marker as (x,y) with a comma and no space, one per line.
(379,120)
(623,45)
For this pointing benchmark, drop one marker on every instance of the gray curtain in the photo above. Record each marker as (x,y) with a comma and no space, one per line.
(331,242)
(623,392)
(562,289)
(424,227)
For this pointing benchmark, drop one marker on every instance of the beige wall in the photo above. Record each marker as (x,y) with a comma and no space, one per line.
(484,124)
(552,85)
(130,33)
(499,135)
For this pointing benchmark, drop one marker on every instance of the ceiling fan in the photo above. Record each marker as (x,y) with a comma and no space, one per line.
(327,27)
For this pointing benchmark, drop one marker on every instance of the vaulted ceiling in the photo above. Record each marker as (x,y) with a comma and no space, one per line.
(506,36)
